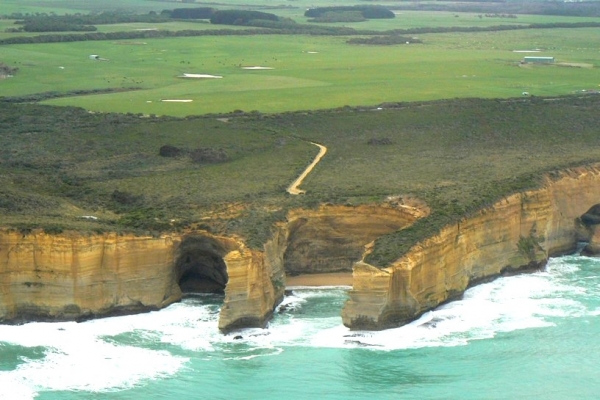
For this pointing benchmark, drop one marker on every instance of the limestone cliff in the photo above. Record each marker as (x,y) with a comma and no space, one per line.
(72,276)
(332,238)
(521,231)
(256,284)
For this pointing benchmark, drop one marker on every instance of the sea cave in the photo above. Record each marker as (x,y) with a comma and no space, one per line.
(200,267)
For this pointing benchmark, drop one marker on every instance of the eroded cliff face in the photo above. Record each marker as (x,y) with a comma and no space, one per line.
(256,284)
(332,238)
(73,276)
(519,232)
(70,276)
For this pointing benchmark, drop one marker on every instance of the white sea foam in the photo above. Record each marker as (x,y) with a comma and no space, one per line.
(87,356)
(118,353)
(13,389)
(504,305)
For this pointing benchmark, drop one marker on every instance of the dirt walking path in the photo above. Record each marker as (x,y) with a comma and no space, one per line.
(293,188)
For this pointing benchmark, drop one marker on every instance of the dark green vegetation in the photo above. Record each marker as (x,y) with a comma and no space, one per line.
(240,17)
(120,167)
(77,22)
(61,164)
(347,13)
(579,9)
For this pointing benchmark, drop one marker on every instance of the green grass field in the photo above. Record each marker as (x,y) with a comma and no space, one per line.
(308,72)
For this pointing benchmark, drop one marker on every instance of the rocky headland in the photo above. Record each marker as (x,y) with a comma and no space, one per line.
(517,233)
(75,276)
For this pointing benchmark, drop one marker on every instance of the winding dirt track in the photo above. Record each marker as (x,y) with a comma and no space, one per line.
(293,188)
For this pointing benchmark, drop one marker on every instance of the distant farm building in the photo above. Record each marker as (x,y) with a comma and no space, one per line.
(538,60)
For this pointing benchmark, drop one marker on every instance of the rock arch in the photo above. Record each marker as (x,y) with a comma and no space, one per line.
(252,281)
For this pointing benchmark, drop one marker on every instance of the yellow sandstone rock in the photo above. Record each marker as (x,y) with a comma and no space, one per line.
(72,276)
(332,238)
(519,232)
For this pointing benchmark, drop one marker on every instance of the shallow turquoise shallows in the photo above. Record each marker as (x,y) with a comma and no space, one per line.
(531,336)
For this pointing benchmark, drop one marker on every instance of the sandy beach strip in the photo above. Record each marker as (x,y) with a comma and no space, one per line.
(329,279)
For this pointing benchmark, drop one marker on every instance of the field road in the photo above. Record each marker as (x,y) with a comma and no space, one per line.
(293,188)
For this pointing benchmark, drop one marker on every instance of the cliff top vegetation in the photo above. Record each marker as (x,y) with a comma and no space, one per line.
(60,165)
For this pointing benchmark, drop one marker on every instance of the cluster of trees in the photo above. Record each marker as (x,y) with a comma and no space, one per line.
(368,12)
(240,17)
(414,31)
(83,37)
(201,155)
(190,13)
(79,22)
(52,26)
(102,18)
(380,141)
(86,23)
(575,9)
(271,24)
(344,16)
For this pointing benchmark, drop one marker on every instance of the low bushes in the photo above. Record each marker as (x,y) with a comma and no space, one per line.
(202,155)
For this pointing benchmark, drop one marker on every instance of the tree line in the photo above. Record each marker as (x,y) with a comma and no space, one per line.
(78,22)
(368,12)
(572,9)
(278,27)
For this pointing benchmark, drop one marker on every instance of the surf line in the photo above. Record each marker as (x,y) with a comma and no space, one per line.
(293,188)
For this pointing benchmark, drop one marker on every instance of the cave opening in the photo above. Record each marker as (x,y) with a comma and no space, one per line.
(200,267)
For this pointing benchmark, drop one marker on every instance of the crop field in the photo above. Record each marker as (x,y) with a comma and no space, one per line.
(307,72)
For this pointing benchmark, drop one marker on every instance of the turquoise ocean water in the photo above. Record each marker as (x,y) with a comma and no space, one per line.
(522,337)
